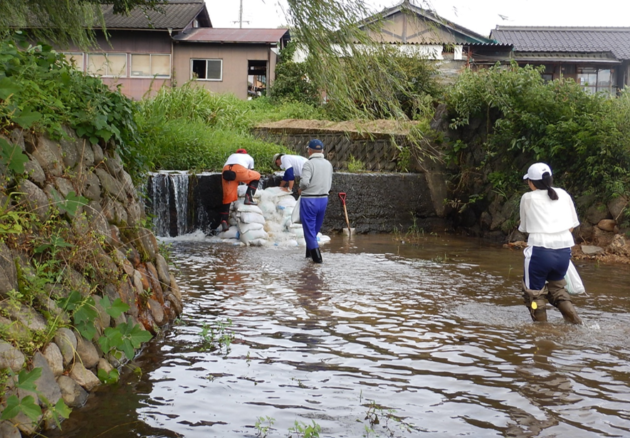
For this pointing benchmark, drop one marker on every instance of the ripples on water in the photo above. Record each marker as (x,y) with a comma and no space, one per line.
(434,335)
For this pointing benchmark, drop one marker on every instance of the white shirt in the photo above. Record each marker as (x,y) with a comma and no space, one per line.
(244,160)
(548,222)
(295,161)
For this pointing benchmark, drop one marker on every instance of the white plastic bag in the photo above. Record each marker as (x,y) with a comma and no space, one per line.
(574,282)
(295,214)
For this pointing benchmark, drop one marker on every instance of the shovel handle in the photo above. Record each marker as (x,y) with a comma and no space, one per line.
(342,196)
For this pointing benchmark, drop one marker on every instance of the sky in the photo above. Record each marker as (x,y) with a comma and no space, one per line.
(480,16)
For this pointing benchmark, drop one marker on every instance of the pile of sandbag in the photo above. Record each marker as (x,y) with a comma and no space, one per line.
(268,223)
(251,225)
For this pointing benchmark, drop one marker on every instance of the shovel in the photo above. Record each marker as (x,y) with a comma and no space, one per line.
(342,197)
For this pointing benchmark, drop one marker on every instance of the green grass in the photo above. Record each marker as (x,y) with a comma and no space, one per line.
(190,128)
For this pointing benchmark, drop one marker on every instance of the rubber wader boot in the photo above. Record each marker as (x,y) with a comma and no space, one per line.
(225,215)
(559,297)
(539,314)
(249,194)
(535,304)
(568,312)
(308,253)
(317,255)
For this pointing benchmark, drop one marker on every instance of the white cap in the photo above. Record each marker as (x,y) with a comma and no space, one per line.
(535,171)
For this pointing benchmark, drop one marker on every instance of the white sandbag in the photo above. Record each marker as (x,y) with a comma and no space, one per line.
(277,191)
(231,233)
(286,201)
(258,242)
(244,228)
(241,189)
(253,236)
(296,230)
(249,209)
(268,208)
(252,218)
(322,239)
(286,223)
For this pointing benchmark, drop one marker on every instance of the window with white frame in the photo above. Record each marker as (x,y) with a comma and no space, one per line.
(107,64)
(152,65)
(75,59)
(206,69)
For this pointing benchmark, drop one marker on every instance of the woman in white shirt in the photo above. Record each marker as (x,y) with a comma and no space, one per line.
(549,216)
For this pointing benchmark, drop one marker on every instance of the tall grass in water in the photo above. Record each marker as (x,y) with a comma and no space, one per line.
(191,128)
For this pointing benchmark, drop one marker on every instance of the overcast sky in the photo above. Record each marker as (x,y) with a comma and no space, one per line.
(480,16)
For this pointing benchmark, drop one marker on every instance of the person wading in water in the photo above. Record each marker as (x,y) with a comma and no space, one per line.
(548,215)
(315,184)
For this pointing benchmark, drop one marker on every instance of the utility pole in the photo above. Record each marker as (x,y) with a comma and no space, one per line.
(240,16)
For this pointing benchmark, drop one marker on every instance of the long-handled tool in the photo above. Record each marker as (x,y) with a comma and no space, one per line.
(342,197)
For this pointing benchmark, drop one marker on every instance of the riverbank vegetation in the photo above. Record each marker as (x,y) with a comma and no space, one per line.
(66,238)
(585,136)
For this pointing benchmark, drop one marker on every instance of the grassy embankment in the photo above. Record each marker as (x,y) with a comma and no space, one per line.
(188,128)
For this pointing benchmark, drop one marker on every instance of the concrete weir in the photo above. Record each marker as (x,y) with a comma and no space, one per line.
(376,202)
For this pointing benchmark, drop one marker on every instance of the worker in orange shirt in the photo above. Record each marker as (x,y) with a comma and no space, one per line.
(238,168)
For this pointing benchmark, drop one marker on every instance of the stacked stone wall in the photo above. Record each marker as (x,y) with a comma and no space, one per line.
(109,255)
(377,151)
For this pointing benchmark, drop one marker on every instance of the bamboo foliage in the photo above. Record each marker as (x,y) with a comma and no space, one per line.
(361,78)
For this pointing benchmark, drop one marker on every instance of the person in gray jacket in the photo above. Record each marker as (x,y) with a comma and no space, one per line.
(315,184)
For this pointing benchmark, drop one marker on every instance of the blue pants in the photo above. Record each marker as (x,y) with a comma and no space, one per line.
(544,264)
(312,212)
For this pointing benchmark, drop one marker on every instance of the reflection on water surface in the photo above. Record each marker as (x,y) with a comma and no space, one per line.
(433,335)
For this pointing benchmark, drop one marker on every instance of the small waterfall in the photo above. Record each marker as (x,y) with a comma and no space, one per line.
(169,202)
(182,203)
(180,191)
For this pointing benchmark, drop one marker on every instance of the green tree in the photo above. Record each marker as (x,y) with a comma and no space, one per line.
(362,78)
(584,137)
(292,82)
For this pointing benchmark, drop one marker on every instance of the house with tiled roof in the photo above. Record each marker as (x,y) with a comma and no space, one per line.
(175,43)
(598,58)
(218,58)
(422,31)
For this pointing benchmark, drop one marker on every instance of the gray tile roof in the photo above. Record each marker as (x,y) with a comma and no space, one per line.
(176,14)
(233,35)
(566,39)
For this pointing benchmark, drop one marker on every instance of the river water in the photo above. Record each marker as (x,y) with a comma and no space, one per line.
(383,339)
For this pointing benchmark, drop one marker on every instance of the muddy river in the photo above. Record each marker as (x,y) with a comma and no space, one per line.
(383,339)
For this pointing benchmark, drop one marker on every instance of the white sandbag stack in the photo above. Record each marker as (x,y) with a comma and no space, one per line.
(251,225)
(268,223)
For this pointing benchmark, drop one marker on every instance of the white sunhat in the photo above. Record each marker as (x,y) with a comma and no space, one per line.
(536,170)
(275,158)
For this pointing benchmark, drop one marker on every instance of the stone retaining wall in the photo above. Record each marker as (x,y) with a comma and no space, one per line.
(107,253)
(376,202)
(376,150)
